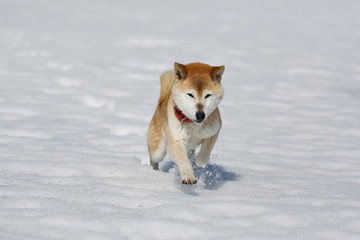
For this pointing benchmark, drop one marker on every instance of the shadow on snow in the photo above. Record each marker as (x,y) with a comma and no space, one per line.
(210,177)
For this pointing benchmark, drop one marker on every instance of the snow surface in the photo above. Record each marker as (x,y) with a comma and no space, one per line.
(79,81)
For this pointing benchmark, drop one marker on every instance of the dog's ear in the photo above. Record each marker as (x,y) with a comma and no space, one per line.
(216,73)
(180,71)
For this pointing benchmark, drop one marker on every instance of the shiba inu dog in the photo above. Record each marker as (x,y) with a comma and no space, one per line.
(186,116)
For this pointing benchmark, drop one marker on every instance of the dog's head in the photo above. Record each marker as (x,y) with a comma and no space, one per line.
(197,89)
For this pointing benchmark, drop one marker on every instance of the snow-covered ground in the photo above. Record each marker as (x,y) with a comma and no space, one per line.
(79,81)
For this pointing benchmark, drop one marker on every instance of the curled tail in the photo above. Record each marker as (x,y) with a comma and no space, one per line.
(166,81)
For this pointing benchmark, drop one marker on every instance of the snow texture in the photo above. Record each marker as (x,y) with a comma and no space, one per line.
(79,81)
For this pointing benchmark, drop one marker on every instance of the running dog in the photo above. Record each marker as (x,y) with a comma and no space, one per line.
(186,116)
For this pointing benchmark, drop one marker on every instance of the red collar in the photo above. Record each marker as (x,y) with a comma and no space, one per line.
(180,115)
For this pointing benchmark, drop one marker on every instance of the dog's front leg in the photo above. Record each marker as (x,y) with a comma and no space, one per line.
(207,145)
(178,154)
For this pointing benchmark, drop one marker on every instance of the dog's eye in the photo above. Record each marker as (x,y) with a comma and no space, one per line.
(190,95)
(207,95)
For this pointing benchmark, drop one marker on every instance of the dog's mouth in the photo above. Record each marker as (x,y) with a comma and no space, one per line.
(198,121)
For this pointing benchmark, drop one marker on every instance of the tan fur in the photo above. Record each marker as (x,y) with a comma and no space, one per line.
(166,132)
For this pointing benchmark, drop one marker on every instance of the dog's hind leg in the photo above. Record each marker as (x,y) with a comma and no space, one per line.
(157,145)
(158,153)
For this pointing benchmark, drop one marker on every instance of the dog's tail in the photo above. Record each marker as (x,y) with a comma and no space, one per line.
(166,81)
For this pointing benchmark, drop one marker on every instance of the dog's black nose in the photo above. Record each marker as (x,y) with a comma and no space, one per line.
(200,115)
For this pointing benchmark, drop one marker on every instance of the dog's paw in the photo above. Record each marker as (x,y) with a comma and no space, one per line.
(187,174)
(189,181)
(201,161)
(155,165)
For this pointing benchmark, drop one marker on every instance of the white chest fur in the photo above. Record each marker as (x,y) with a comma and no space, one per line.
(192,134)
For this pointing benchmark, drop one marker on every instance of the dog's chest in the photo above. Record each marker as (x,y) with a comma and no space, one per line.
(193,136)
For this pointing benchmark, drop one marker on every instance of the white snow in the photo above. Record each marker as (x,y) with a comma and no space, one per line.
(79,81)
